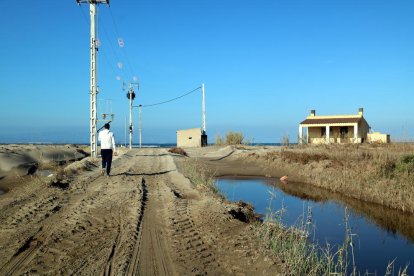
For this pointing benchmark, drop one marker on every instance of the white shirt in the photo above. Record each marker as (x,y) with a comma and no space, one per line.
(107,139)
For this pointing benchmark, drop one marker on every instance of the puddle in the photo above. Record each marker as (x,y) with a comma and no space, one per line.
(382,235)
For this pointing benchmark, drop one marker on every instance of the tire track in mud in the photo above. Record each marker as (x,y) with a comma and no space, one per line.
(146,219)
(133,263)
(151,254)
(195,256)
(26,252)
(71,234)
(113,214)
(192,253)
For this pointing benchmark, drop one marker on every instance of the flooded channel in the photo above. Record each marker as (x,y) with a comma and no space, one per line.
(382,235)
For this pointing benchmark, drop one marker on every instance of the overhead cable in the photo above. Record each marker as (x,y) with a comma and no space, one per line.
(167,101)
(124,50)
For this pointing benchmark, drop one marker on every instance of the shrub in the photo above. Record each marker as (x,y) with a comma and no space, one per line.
(178,151)
(406,164)
(234,138)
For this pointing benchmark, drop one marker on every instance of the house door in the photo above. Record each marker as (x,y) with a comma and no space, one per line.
(344,132)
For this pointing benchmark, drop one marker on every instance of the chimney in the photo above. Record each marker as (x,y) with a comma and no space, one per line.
(361,111)
(313,113)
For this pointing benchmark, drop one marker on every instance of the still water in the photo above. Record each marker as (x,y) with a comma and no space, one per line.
(382,235)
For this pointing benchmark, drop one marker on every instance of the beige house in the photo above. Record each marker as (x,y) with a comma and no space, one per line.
(334,129)
(191,138)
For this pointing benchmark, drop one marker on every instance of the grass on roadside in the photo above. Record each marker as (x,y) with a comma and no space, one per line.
(379,174)
(199,174)
(302,257)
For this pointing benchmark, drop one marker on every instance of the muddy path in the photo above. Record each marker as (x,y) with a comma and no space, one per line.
(146,219)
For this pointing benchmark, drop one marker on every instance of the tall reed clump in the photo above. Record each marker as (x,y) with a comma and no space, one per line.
(199,174)
(302,257)
(232,138)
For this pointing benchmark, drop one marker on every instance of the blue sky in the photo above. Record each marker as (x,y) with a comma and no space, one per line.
(264,64)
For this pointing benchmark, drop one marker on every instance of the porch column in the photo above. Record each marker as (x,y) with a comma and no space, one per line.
(300,135)
(328,136)
(307,135)
(356,133)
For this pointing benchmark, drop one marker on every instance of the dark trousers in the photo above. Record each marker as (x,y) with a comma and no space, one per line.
(106,159)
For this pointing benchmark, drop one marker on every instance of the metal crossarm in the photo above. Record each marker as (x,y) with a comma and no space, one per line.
(93,1)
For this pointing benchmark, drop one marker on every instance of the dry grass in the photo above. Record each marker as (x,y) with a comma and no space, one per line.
(232,138)
(198,174)
(302,257)
(382,174)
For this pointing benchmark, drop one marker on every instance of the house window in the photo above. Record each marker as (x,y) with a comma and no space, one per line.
(323,131)
(344,132)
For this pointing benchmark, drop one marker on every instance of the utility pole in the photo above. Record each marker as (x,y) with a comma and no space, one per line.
(203,109)
(93,88)
(203,123)
(125,131)
(140,125)
(131,97)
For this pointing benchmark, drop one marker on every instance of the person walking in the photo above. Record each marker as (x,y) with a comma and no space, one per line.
(108,148)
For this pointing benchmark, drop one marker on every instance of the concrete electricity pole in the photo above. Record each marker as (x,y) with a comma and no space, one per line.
(203,108)
(131,97)
(140,125)
(94,89)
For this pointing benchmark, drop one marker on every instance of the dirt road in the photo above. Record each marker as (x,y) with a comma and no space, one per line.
(146,219)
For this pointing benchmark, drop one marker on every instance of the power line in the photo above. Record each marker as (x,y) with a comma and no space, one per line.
(124,50)
(114,54)
(167,101)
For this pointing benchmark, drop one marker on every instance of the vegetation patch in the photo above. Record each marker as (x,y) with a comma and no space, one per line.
(179,151)
(199,174)
(406,165)
(382,175)
(302,257)
(231,138)
(302,157)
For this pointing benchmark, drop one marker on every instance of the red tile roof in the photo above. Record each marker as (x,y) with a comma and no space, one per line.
(322,121)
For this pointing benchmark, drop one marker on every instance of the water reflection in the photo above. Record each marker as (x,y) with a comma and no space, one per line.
(383,234)
(392,221)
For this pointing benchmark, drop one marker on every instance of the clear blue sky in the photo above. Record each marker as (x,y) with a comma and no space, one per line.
(264,64)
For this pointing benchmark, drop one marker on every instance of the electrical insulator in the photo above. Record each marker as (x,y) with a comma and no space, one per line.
(130,95)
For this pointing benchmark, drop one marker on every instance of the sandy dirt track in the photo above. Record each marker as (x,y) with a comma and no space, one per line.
(146,219)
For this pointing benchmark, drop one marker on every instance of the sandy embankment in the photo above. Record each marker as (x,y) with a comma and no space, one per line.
(147,218)
(234,161)
(18,161)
